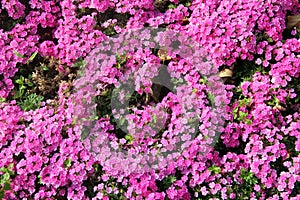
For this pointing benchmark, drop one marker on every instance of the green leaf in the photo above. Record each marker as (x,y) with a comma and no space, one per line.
(248,101)
(188,4)
(270,40)
(31,102)
(80,63)
(168,181)
(18,54)
(211,98)
(1,194)
(39,179)
(245,101)
(30,84)
(10,166)
(32,57)
(5,177)
(122,120)
(248,177)
(45,68)
(214,169)
(172,6)
(84,135)
(121,59)
(129,138)
(242,116)
(234,111)
(248,121)
(3,169)
(74,121)
(68,163)
(6,186)
(118,65)
(96,168)
(23,87)
(203,80)
(20,81)
(154,119)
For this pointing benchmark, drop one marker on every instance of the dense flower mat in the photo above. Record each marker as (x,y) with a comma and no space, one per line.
(43,46)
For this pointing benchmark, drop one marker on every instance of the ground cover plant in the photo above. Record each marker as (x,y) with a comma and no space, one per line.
(189,135)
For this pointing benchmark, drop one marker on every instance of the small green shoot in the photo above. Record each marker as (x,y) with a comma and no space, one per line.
(5,179)
(214,169)
(31,58)
(31,102)
(129,138)
(18,54)
(68,163)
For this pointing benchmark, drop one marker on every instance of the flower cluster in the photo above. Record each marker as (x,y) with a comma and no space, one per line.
(126,130)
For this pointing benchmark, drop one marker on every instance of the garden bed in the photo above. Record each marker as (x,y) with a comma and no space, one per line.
(152,99)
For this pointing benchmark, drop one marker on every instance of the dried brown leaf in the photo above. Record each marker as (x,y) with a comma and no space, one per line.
(293,21)
(163,55)
(225,73)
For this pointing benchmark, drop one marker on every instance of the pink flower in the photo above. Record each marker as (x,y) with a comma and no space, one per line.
(258,61)
(204,191)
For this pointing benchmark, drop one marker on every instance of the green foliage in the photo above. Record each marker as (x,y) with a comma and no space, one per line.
(110,30)
(97,168)
(177,82)
(80,63)
(270,40)
(245,70)
(248,177)
(274,101)
(172,6)
(68,163)
(166,182)
(18,54)
(186,3)
(31,102)
(32,57)
(121,59)
(5,179)
(263,37)
(154,119)
(203,80)
(211,98)
(23,84)
(240,115)
(129,138)
(245,102)
(244,189)
(104,102)
(214,169)
(45,68)
(290,142)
